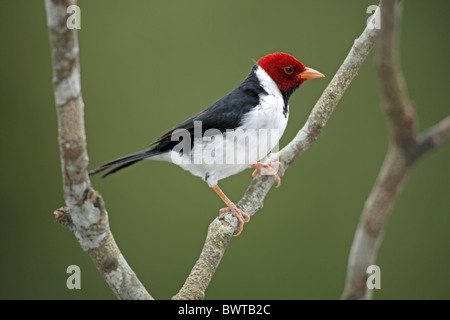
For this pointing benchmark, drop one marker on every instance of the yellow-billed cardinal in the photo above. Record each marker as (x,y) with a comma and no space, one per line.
(233,133)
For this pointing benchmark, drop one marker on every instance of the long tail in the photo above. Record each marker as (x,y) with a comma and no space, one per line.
(123,162)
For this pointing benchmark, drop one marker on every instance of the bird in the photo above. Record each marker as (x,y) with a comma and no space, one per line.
(234,133)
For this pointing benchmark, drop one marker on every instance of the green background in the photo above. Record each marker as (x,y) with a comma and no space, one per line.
(148,65)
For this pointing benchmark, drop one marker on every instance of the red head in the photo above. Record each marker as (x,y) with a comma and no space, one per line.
(287,72)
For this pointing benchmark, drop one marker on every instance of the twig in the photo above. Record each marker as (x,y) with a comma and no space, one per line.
(434,136)
(404,150)
(222,228)
(85,213)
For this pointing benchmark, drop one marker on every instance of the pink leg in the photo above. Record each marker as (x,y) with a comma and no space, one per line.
(231,207)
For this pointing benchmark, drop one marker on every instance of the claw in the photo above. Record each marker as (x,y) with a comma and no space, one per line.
(239,214)
(268,170)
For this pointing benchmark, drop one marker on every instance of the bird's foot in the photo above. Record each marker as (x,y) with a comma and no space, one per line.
(239,214)
(266,169)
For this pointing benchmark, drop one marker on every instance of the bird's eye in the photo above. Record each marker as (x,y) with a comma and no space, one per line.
(288,70)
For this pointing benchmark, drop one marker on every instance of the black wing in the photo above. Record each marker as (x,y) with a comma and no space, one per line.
(226,113)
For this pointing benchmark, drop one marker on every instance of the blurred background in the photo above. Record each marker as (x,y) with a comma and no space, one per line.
(146,66)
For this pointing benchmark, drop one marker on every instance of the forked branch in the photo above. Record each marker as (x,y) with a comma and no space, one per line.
(405,148)
(85,213)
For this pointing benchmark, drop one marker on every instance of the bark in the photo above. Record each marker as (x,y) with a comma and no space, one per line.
(85,213)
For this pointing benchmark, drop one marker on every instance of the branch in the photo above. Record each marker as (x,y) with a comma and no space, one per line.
(85,213)
(434,137)
(222,228)
(404,150)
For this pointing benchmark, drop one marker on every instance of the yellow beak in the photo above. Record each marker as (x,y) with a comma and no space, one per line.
(310,74)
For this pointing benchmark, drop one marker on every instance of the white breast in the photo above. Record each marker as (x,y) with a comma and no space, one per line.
(269,114)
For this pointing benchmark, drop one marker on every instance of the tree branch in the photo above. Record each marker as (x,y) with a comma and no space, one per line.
(434,137)
(404,150)
(85,213)
(222,228)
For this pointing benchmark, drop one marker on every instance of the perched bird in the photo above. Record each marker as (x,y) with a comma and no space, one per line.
(233,133)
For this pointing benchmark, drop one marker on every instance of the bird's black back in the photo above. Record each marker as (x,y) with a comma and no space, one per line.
(226,113)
